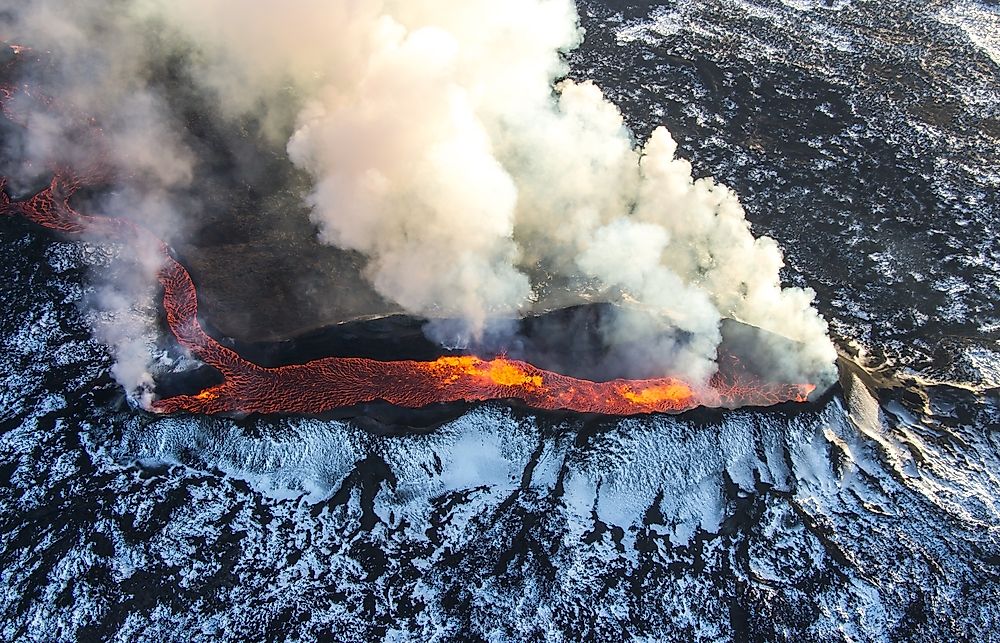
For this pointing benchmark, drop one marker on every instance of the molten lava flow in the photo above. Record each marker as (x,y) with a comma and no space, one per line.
(335,382)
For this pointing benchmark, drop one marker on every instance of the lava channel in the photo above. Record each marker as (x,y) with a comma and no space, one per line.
(336,382)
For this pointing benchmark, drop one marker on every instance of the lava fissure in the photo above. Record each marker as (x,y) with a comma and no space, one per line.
(330,383)
(326,384)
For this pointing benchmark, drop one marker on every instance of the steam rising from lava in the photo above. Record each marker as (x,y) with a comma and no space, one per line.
(446,145)
(104,110)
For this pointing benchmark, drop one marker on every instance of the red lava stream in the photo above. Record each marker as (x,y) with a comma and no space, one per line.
(336,382)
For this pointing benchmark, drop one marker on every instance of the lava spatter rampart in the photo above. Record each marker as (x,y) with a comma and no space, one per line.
(335,382)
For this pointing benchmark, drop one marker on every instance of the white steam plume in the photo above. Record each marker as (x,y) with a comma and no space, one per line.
(444,146)
(97,60)
(445,149)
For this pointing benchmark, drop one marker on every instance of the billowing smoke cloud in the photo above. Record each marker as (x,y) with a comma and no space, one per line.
(445,147)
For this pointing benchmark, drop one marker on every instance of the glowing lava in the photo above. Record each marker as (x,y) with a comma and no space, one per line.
(326,384)
(335,382)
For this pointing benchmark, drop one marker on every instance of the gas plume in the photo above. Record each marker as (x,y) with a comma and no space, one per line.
(86,101)
(445,144)
(444,147)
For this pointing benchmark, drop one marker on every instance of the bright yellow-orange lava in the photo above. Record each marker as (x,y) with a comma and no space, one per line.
(208,394)
(499,371)
(657,394)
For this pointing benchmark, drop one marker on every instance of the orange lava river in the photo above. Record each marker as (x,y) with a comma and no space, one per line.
(337,382)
